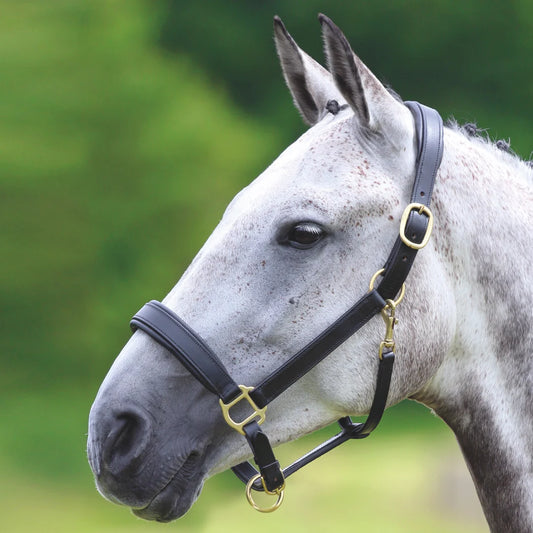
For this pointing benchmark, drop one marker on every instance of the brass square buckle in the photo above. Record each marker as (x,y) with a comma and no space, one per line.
(423,210)
(245,395)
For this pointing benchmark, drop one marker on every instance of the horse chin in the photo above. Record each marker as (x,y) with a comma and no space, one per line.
(177,496)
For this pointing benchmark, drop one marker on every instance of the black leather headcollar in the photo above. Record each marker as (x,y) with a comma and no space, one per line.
(170,331)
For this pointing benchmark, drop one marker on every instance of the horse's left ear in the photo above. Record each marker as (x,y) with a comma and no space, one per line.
(374,106)
(311,85)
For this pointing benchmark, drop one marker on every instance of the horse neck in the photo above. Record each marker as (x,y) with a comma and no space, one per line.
(483,390)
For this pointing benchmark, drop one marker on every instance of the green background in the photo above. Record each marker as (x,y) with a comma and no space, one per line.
(126,126)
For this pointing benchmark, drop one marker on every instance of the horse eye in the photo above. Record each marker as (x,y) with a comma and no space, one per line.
(305,235)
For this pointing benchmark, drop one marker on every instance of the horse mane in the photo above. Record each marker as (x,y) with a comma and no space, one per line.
(502,147)
(472,132)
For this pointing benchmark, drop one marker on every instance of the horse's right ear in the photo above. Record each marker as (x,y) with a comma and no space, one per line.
(311,85)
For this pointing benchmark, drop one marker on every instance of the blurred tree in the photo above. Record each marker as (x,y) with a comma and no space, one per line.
(127,126)
(116,162)
(471,59)
(118,152)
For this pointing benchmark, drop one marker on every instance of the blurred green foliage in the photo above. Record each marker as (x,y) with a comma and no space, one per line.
(127,126)
(470,58)
(122,139)
(117,161)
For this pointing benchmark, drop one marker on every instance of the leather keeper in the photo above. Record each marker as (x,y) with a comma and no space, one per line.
(264,458)
(272,477)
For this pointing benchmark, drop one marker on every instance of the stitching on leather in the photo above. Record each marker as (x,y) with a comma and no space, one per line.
(203,347)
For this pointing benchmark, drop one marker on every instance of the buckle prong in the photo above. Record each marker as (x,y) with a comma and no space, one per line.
(245,395)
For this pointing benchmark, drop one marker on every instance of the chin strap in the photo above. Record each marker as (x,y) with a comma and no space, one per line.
(164,326)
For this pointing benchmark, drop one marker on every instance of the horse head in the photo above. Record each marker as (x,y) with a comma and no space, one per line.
(291,254)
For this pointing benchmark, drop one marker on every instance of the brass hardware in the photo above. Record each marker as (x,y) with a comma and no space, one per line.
(423,210)
(389,316)
(374,278)
(373,281)
(279,492)
(245,394)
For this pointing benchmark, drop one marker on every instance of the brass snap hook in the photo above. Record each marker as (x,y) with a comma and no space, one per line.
(388,314)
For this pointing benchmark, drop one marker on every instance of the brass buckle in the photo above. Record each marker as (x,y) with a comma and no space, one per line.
(245,395)
(423,210)
(279,492)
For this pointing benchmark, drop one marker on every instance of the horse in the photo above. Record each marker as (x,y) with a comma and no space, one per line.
(289,257)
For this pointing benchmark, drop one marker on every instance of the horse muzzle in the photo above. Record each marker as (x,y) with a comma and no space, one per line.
(132,466)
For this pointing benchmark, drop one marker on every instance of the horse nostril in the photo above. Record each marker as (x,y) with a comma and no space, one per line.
(125,434)
(126,441)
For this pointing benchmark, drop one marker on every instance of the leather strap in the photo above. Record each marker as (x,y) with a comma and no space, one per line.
(264,458)
(350,430)
(320,347)
(429,131)
(169,330)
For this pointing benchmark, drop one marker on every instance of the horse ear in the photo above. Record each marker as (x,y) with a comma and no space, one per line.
(373,105)
(311,85)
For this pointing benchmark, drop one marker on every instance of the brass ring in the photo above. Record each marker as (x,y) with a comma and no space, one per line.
(374,278)
(279,492)
(373,281)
